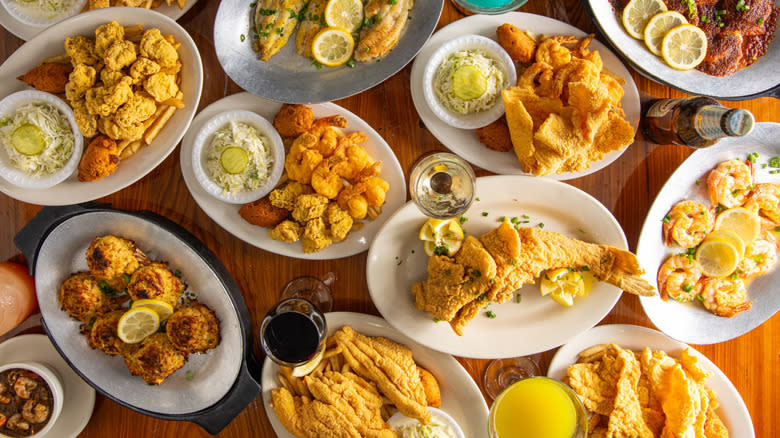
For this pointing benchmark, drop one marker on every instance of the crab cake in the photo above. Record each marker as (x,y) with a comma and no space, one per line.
(156,282)
(110,257)
(193,329)
(80,296)
(103,335)
(154,358)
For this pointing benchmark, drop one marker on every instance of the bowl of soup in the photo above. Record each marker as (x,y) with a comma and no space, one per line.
(30,399)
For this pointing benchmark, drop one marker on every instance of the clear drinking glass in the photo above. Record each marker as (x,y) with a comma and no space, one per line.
(501,373)
(293,332)
(488,6)
(312,289)
(442,185)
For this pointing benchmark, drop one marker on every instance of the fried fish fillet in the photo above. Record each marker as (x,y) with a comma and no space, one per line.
(385,22)
(275,21)
(312,21)
(390,366)
(503,244)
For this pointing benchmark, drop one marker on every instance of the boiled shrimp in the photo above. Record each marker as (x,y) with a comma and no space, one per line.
(301,161)
(678,278)
(725,296)
(35,412)
(16,423)
(687,223)
(760,256)
(4,398)
(23,386)
(765,200)
(729,183)
(325,180)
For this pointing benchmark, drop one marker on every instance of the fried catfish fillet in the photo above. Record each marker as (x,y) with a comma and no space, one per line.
(275,21)
(386,20)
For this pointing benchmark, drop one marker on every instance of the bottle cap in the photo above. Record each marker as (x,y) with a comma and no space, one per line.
(738,122)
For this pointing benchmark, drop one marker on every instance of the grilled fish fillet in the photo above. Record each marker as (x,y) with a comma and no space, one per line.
(312,22)
(385,22)
(275,21)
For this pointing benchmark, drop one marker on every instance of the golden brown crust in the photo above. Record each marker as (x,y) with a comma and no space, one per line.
(155,282)
(81,297)
(263,213)
(193,329)
(50,77)
(293,120)
(103,334)
(517,44)
(431,387)
(495,136)
(154,358)
(99,160)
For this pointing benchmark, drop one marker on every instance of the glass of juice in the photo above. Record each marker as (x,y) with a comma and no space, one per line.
(488,6)
(538,407)
(442,185)
(293,333)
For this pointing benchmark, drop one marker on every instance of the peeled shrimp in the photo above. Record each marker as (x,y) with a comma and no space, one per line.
(35,412)
(765,200)
(687,223)
(23,386)
(16,423)
(678,278)
(301,161)
(324,179)
(760,256)
(729,183)
(725,296)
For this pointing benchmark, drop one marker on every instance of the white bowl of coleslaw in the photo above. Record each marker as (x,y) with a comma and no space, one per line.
(442,425)
(48,121)
(42,13)
(482,58)
(238,157)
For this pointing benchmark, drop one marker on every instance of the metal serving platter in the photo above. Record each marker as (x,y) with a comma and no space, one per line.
(691,322)
(291,78)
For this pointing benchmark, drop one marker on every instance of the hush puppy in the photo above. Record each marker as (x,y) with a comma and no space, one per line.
(263,213)
(517,44)
(496,136)
(99,160)
(293,120)
(50,77)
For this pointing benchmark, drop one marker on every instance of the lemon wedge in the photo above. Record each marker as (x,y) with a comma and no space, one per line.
(468,82)
(332,46)
(658,26)
(743,222)
(563,285)
(638,13)
(730,237)
(717,258)
(161,308)
(136,324)
(684,47)
(309,366)
(346,14)
(441,237)
(234,160)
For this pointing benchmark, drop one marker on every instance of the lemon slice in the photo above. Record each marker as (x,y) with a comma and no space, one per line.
(28,140)
(441,237)
(161,308)
(346,14)
(745,223)
(684,47)
(638,13)
(332,46)
(563,285)
(234,160)
(309,366)
(717,258)
(468,82)
(658,26)
(136,324)
(730,237)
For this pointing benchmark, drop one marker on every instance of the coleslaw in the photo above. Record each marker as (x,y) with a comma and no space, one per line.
(46,9)
(53,127)
(444,86)
(259,157)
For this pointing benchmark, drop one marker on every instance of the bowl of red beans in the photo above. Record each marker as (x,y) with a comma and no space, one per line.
(30,399)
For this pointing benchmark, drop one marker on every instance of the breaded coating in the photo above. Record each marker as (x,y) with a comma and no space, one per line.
(116,131)
(106,35)
(287,231)
(286,196)
(161,86)
(103,334)
(339,220)
(496,136)
(104,101)
(111,256)
(193,329)
(315,236)
(81,79)
(518,45)
(431,387)
(263,213)
(81,50)
(80,296)
(142,68)
(308,207)
(110,77)
(158,49)
(156,282)
(154,359)
(100,159)
(293,120)
(120,55)
(49,77)
(87,122)
(137,109)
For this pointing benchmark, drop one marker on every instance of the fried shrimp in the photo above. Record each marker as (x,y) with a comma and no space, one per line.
(355,156)
(730,183)
(324,180)
(301,161)
(760,256)
(678,278)
(367,190)
(687,224)
(725,296)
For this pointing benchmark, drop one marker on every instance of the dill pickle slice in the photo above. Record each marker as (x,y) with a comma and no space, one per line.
(234,160)
(28,139)
(468,82)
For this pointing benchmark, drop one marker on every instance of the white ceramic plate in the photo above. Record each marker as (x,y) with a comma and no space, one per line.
(691,322)
(79,397)
(460,396)
(51,42)
(226,215)
(732,409)
(397,260)
(27,32)
(464,142)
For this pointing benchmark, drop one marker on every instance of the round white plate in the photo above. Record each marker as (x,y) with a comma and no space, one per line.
(226,215)
(732,409)
(27,32)
(691,322)
(464,142)
(397,260)
(50,43)
(460,396)
(79,397)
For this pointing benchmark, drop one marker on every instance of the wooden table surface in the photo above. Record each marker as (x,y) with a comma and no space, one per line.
(627,187)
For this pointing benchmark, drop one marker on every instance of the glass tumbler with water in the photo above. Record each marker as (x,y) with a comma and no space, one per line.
(442,185)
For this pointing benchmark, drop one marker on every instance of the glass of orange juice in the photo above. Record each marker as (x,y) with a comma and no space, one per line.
(538,407)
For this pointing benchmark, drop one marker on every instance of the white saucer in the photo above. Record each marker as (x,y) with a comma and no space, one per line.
(79,397)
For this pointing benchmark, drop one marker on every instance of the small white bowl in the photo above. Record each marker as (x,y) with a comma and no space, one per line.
(53,380)
(203,141)
(437,415)
(20,178)
(25,15)
(490,49)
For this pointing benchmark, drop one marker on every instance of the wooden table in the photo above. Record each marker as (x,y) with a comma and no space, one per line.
(627,188)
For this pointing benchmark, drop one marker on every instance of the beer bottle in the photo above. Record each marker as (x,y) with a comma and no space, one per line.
(697,122)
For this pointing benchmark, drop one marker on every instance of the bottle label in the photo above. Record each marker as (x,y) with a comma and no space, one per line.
(706,122)
(662,107)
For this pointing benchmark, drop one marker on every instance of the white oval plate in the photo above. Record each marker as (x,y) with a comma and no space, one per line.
(226,215)
(464,142)
(460,396)
(397,260)
(50,43)
(691,322)
(732,409)
(79,397)
(27,32)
